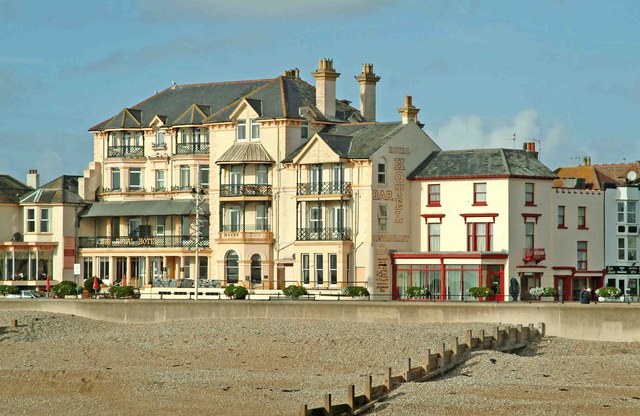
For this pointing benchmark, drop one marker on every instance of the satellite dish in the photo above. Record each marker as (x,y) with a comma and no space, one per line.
(631,176)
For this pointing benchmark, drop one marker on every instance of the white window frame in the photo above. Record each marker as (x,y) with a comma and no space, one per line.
(133,172)
(255,129)
(159,138)
(319,268)
(185,176)
(262,223)
(304,130)
(333,269)
(160,224)
(203,176)
(382,172)
(115,177)
(305,268)
(262,174)
(160,184)
(45,222)
(241,130)
(316,220)
(31,220)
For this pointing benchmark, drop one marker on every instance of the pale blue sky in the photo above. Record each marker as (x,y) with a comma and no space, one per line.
(565,72)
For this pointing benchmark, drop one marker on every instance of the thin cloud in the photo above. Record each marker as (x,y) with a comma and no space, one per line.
(310,9)
(474,131)
(20,60)
(632,92)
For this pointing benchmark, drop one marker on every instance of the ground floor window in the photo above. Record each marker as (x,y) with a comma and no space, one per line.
(103,267)
(447,282)
(256,269)
(87,268)
(528,281)
(231,267)
(26,265)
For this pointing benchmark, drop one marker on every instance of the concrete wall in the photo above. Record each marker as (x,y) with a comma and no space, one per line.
(597,322)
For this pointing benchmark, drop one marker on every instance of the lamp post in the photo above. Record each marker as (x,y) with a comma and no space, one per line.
(198,200)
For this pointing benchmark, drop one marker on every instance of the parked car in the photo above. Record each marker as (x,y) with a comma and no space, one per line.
(26,294)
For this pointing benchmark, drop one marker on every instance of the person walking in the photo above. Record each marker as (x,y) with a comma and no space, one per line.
(585,296)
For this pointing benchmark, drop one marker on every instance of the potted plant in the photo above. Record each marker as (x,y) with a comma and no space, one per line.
(536,292)
(415,292)
(355,292)
(64,288)
(608,294)
(294,291)
(480,292)
(548,294)
(235,292)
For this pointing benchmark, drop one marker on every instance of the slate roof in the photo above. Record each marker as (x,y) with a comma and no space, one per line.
(245,152)
(355,141)
(481,163)
(11,189)
(62,190)
(276,97)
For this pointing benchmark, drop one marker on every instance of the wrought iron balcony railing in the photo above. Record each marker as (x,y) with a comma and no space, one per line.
(324,188)
(534,254)
(158,189)
(159,145)
(250,228)
(107,190)
(125,151)
(245,190)
(317,234)
(152,241)
(192,148)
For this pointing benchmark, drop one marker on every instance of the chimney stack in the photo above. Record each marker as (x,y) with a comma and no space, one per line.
(291,73)
(326,77)
(33,179)
(587,160)
(408,111)
(368,80)
(530,147)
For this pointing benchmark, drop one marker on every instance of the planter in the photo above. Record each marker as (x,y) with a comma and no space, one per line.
(611,299)
(548,298)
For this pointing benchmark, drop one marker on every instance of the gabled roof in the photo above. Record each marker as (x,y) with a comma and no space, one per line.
(618,171)
(354,141)
(11,189)
(62,190)
(246,153)
(128,118)
(195,114)
(280,97)
(471,163)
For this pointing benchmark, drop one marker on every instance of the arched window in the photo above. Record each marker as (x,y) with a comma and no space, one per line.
(231,267)
(256,269)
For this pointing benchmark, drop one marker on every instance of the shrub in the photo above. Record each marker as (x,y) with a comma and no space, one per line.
(229,290)
(88,284)
(355,291)
(417,292)
(608,292)
(294,291)
(236,292)
(240,292)
(9,290)
(548,291)
(536,292)
(121,291)
(65,288)
(480,292)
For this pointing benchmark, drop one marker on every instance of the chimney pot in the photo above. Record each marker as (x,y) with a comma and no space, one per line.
(408,111)
(368,80)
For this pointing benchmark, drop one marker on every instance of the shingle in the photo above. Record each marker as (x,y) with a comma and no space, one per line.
(11,189)
(481,163)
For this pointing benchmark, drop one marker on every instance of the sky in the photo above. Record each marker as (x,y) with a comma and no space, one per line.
(562,73)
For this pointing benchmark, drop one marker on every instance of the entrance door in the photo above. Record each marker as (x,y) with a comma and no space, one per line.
(632,289)
(494,281)
(563,286)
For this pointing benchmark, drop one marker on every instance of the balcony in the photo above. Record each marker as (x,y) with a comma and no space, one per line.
(135,189)
(246,233)
(125,151)
(323,234)
(181,187)
(534,254)
(111,190)
(136,242)
(192,148)
(324,188)
(245,190)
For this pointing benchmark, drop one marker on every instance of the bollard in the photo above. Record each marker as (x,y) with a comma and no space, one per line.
(303,410)
(443,355)
(427,362)
(327,404)
(14,323)
(351,397)
(518,333)
(367,387)
(541,328)
(532,329)
(481,339)
(407,371)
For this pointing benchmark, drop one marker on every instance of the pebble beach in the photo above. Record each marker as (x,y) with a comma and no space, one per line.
(64,364)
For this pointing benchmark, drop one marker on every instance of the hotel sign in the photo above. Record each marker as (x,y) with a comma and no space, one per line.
(623,269)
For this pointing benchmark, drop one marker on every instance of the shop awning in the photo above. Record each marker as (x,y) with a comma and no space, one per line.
(142,208)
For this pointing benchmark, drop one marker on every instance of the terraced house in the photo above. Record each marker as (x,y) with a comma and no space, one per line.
(297,186)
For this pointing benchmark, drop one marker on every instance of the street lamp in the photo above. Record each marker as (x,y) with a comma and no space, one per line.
(198,201)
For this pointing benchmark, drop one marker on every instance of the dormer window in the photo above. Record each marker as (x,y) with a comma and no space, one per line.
(255,129)
(159,139)
(241,130)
